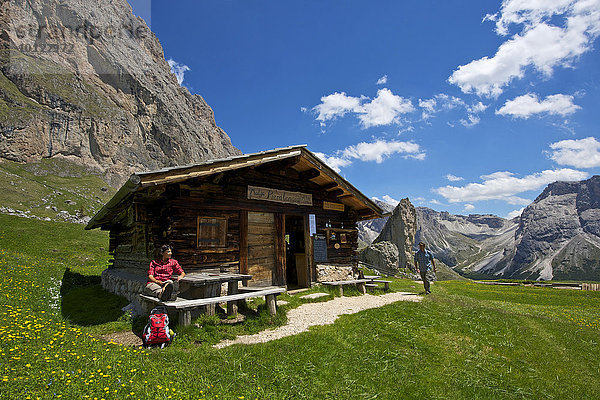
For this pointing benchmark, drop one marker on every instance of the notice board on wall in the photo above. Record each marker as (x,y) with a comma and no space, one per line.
(320,248)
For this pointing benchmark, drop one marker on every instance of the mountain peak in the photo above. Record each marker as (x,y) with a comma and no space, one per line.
(87,80)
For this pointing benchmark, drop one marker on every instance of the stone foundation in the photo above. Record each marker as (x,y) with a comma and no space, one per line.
(330,273)
(125,284)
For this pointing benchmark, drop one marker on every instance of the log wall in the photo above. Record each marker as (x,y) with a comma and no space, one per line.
(169,214)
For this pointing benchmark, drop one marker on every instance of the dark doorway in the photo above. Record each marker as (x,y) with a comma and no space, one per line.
(295,252)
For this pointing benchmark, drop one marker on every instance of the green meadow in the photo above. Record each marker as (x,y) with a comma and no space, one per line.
(465,341)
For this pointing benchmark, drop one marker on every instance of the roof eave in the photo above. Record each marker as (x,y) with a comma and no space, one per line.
(337,177)
(132,184)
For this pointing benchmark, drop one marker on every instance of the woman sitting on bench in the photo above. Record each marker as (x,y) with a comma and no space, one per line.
(160,273)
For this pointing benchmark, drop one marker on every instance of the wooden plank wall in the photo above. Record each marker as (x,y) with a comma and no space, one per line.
(183,236)
(130,241)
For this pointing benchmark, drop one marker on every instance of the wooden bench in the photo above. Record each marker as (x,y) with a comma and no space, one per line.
(386,284)
(185,307)
(371,286)
(360,284)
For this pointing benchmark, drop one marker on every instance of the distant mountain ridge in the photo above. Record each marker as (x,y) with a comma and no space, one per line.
(88,81)
(458,240)
(556,237)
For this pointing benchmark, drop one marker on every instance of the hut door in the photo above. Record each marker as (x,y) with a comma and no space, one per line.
(261,248)
(295,244)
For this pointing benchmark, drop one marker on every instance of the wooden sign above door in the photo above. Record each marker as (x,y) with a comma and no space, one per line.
(328,205)
(279,196)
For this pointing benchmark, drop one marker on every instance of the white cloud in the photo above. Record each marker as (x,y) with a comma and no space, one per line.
(444,102)
(469,207)
(178,69)
(380,150)
(385,109)
(453,178)
(336,105)
(477,108)
(336,163)
(529,104)
(581,153)
(383,80)
(540,44)
(505,186)
(514,213)
(377,151)
(524,12)
(408,128)
(428,107)
(472,120)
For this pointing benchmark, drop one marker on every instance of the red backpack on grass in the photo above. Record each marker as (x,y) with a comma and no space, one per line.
(157,333)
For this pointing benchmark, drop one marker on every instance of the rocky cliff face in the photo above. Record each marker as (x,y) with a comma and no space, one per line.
(88,81)
(558,234)
(392,249)
(370,229)
(400,230)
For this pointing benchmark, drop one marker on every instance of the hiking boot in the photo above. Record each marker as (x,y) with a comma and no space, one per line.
(175,291)
(167,291)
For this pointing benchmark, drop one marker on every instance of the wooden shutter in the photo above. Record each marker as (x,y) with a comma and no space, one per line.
(212,232)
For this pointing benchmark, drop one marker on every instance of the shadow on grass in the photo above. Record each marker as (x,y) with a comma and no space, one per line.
(84,302)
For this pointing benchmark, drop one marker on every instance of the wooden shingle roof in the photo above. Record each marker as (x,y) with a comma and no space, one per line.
(308,163)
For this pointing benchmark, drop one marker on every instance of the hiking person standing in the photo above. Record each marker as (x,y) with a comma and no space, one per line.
(160,273)
(424,262)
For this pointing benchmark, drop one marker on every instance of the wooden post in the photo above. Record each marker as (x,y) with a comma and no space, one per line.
(341,290)
(185,317)
(212,290)
(280,267)
(361,287)
(308,249)
(232,307)
(271,300)
(244,244)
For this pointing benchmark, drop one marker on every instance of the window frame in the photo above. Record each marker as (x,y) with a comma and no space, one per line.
(212,242)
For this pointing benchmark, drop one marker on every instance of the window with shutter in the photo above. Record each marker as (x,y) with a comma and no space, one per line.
(212,232)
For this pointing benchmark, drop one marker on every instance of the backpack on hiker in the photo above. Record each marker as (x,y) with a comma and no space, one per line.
(156,332)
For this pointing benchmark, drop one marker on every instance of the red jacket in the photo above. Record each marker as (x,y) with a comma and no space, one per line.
(163,271)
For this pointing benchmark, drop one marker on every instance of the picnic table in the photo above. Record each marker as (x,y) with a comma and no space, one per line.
(201,285)
(203,290)
(362,283)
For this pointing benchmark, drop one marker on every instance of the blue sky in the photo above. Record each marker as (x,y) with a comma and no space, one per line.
(468,107)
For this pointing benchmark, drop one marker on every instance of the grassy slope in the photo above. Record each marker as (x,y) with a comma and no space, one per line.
(51,183)
(445,273)
(464,341)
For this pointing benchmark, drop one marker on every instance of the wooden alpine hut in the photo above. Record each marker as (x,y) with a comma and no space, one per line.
(282,216)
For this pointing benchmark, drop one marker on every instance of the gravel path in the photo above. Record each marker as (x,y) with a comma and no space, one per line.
(311,314)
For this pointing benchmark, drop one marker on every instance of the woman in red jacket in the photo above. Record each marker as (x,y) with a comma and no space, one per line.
(160,273)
